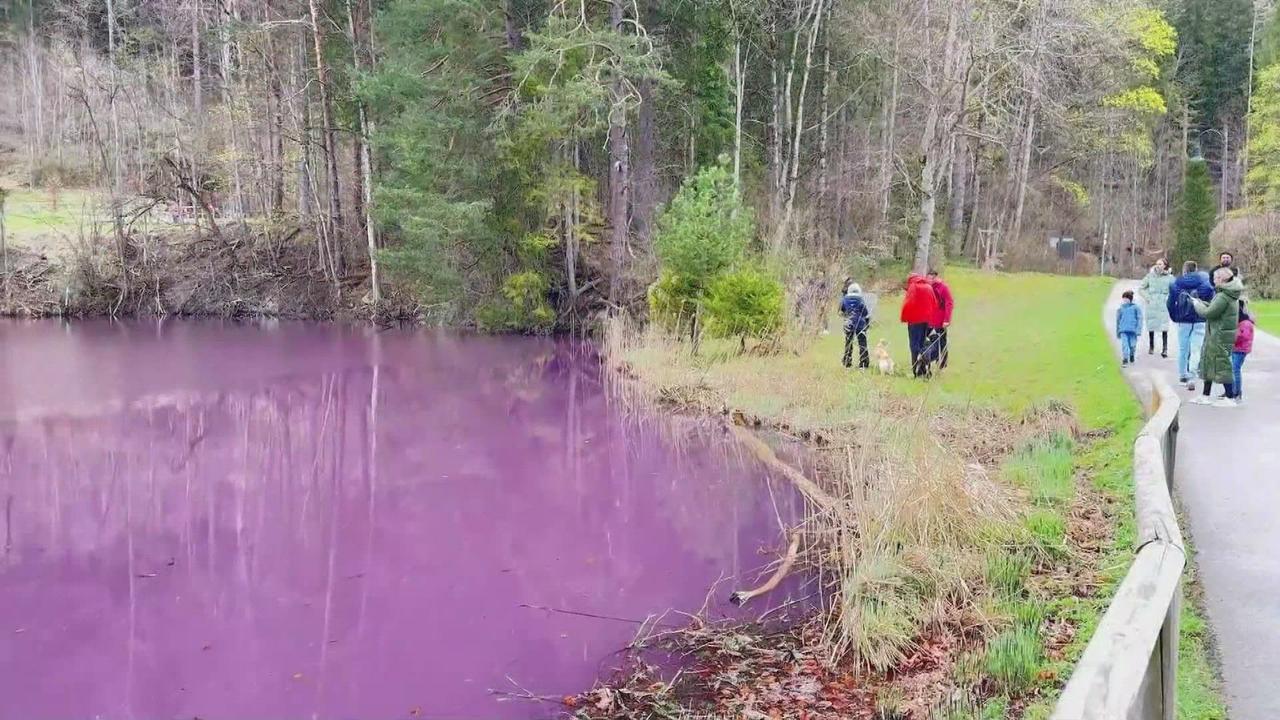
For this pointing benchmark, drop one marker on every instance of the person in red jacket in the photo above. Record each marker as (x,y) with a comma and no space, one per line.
(941,319)
(919,307)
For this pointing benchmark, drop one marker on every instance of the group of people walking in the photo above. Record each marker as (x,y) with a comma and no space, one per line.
(1215,329)
(926,311)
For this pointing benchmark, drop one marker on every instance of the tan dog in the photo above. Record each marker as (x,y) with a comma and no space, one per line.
(883,361)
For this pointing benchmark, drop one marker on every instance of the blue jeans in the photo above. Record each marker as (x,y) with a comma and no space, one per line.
(1237,362)
(1190,340)
(1128,343)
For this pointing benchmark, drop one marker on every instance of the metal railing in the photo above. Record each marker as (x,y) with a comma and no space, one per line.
(1130,667)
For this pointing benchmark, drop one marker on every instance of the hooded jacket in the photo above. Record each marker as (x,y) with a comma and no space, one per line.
(920,305)
(1128,318)
(946,303)
(1222,317)
(1155,296)
(1187,286)
(1244,337)
(857,318)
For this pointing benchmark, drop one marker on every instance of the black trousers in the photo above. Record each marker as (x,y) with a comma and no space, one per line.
(1164,341)
(918,338)
(864,357)
(938,343)
(1228,389)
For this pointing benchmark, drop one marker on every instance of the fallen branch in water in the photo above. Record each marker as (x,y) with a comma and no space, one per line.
(765,454)
(793,551)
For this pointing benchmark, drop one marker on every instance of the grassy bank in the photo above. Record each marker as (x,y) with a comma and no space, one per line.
(1267,314)
(1033,402)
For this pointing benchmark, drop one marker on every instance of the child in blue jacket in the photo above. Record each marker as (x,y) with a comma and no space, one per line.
(1128,327)
(857,319)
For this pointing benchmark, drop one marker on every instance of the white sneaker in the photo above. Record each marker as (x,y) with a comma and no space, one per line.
(1199,400)
(1224,403)
(1191,384)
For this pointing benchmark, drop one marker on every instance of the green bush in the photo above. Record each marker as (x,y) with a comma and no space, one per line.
(706,228)
(744,303)
(703,233)
(673,300)
(523,308)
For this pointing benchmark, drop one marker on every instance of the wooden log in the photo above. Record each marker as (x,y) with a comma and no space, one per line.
(766,455)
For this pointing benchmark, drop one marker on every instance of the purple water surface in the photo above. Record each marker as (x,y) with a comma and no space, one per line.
(213,520)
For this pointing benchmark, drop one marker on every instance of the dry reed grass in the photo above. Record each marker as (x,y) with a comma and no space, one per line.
(902,506)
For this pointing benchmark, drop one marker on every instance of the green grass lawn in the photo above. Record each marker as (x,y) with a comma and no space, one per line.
(1017,341)
(1266,313)
(29,213)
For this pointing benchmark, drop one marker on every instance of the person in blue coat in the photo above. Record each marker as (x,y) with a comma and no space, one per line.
(1192,283)
(857,320)
(1128,327)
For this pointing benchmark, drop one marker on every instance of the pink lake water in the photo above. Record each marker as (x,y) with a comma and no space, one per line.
(212,520)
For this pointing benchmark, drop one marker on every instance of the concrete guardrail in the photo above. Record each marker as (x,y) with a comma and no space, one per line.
(1130,668)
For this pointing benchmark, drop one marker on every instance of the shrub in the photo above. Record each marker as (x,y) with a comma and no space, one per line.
(706,228)
(701,235)
(524,307)
(673,300)
(744,303)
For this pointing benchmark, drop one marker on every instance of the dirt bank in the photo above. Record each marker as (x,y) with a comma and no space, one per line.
(245,274)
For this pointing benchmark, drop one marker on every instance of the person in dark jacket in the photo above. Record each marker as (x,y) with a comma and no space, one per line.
(1226,260)
(1192,283)
(941,319)
(919,308)
(1223,319)
(857,319)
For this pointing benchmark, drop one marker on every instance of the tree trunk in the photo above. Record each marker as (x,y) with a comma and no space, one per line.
(645,202)
(329,137)
(1243,155)
(942,82)
(515,35)
(364,164)
(956,200)
(619,171)
(888,128)
(1225,163)
(277,138)
(824,126)
(796,125)
(739,85)
(197,72)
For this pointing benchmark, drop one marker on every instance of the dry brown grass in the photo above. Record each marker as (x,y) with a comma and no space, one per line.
(903,504)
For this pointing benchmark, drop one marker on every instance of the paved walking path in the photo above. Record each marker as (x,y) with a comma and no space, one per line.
(1228,481)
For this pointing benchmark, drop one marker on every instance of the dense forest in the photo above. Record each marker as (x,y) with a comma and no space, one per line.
(511,162)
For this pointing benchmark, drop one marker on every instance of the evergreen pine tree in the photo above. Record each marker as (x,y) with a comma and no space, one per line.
(1197,213)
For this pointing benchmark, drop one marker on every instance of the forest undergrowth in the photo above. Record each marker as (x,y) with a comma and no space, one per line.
(243,272)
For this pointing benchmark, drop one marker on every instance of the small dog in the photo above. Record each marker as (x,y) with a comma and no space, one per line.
(883,362)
